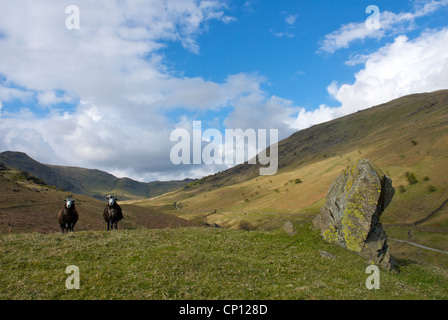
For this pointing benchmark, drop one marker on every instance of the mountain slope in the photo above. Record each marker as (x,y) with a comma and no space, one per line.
(405,137)
(402,119)
(89,182)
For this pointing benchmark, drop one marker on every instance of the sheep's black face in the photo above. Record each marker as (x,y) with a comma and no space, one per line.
(69,203)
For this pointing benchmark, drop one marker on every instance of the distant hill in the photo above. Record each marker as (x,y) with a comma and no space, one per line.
(28,205)
(89,182)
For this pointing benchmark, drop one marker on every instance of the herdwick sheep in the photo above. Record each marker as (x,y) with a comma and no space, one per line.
(112,213)
(68,216)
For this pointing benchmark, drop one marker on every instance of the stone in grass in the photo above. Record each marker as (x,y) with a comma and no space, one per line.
(289,228)
(326,254)
(351,215)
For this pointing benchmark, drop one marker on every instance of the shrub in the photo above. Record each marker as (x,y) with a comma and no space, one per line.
(245,225)
(401,189)
(414,143)
(426,178)
(195,183)
(25,176)
(431,188)
(297,181)
(411,178)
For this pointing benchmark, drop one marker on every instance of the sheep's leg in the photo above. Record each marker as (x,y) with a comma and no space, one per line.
(108,224)
(116,227)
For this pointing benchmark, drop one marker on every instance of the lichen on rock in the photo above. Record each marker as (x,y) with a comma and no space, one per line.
(350,217)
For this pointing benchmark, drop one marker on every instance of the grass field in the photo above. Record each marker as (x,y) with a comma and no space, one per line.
(201,263)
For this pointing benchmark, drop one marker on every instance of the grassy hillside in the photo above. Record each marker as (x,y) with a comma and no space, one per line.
(401,121)
(89,182)
(200,263)
(405,137)
(27,204)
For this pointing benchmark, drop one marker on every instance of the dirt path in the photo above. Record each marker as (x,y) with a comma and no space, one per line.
(418,245)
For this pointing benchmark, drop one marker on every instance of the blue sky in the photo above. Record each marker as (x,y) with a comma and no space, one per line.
(137,70)
(260,40)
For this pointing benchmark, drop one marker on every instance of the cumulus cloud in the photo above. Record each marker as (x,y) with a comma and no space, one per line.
(50,97)
(399,68)
(390,23)
(111,70)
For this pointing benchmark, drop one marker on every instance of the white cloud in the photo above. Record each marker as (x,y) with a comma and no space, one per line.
(306,119)
(9,94)
(285,34)
(114,67)
(390,23)
(400,68)
(48,98)
(291,19)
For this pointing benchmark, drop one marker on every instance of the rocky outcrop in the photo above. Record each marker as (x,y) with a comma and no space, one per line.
(351,215)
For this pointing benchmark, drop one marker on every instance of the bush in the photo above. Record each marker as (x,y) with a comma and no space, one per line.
(426,178)
(431,188)
(25,176)
(414,143)
(297,181)
(412,179)
(401,189)
(246,226)
(195,183)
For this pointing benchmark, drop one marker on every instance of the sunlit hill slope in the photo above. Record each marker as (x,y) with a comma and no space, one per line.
(406,138)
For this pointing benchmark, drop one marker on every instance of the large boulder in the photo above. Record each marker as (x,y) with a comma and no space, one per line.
(351,215)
